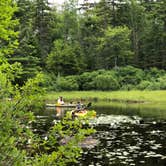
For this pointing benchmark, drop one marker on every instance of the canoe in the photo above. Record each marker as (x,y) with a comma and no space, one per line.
(64,105)
(84,113)
(81,113)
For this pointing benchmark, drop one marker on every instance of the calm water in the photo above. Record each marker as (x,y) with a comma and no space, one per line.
(125,136)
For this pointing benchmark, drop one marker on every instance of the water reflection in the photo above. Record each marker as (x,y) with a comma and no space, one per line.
(60,112)
(145,110)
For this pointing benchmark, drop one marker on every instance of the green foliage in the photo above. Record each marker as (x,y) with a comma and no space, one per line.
(86,82)
(49,81)
(71,42)
(115,45)
(153,86)
(152,42)
(162,81)
(27,52)
(154,83)
(15,124)
(124,78)
(8,75)
(5,86)
(66,83)
(18,143)
(154,73)
(127,87)
(32,92)
(70,21)
(106,82)
(143,85)
(65,58)
(13,71)
(129,75)
(63,141)
(42,27)
(8,41)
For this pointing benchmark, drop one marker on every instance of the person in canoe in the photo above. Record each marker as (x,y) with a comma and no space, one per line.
(60,101)
(79,110)
(78,106)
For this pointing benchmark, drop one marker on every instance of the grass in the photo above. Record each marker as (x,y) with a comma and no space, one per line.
(126,96)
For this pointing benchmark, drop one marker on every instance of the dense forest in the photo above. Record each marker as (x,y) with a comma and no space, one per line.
(78,38)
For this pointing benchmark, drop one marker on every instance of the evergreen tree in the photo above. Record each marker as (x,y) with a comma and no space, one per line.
(153,48)
(26,53)
(42,27)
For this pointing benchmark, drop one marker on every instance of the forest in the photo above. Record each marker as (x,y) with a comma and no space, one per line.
(107,45)
(87,37)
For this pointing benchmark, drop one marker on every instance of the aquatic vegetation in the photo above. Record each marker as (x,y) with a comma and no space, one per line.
(127,142)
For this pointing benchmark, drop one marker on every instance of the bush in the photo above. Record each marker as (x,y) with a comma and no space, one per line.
(128,87)
(86,80)
(124,78)
(154,73)
(106,82)
(154,86)
(67,83)
(129,75)
(162,82)
(147,85)
(6,88)
(50,82)
(143,85)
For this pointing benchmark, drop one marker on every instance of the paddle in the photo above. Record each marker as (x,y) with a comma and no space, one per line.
(88,105)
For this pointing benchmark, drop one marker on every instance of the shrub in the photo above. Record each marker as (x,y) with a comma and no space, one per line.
(86,80)
(147,85)
(129,75)
(162,82)
(67,83)
(154,86)
(50,81)
(154,73)
(6,88)
(124,78)
(106,82)
(143,85)
(128,87)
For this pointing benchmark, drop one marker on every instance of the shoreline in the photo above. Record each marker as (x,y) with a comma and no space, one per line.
(110,96)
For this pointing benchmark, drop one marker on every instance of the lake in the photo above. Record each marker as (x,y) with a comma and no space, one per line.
(125,134)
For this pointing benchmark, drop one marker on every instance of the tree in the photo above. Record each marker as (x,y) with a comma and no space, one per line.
(42,28)
(65,58)
(70,20)
(91,29)
(27,51)
(136,20)
(8,40)
(154,37)
(114,47)
(95,22)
